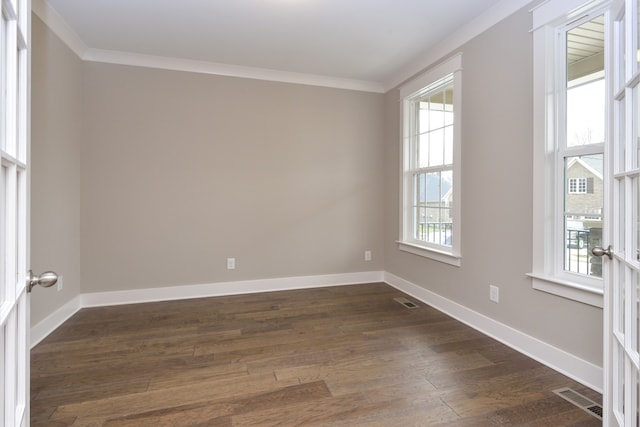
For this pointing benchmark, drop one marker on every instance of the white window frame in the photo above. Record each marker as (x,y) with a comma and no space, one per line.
(408,93)
(549,181)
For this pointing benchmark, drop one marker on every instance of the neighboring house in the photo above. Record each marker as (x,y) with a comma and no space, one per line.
(435,203)
(584,204)
(436,198)
(584,187)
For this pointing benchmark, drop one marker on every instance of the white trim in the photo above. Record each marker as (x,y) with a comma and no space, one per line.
(449,66)
(479,25)
(549,178)
(433,254)
(563,362)
(204,67)
(445,74)
(552,11)
(476,27)
(567,364)
(50,323)
(100,299)
(59,26)
(571,290)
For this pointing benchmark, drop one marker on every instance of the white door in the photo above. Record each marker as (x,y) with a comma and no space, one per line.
(14,137)
(622,279)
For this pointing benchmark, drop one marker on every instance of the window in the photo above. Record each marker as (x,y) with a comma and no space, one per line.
(430,204)
(577,185)
(569,138)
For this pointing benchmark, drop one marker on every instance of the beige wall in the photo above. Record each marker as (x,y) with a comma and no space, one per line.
(497,200)
(56,118)
(182,170)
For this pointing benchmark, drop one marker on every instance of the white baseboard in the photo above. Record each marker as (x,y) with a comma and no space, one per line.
(50,323)
(557,359)
(100,299)
(566,363)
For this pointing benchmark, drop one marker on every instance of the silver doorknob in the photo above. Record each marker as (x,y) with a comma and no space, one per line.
(598,251)
(46,279)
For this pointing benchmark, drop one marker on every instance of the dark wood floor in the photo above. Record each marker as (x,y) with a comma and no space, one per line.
(346,355)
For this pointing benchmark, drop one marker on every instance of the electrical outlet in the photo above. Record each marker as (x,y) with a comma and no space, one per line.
(231,263)
(60,284)
(494,293)
(367,255)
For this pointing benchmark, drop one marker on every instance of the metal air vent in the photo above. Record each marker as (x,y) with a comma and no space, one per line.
(580,401)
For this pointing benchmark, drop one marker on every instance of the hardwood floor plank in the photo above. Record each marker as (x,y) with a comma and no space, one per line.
(336,356)
(175,396)
(206,412)
(547,411)
(530,386)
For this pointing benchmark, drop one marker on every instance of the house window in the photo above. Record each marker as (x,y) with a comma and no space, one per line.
(569,138)
(430,205)
(577,185)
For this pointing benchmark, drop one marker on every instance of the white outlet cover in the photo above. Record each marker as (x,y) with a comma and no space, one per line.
(494,293)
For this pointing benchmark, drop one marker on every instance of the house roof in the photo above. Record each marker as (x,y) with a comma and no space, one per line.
(593,163)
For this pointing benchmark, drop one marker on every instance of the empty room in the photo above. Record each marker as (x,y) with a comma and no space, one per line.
(320,212)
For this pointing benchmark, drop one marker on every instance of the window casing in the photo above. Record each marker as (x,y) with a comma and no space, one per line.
(570,127)
(430,181)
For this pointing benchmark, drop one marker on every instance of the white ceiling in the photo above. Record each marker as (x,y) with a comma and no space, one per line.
(362,40)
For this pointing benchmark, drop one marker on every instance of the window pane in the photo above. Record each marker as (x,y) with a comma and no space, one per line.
(585,114)
(448,116)
(423,117)
(436,111)
(3,370)
(4,35)
(583,207)
(435,129)
(635,219)
(422,154)
(635,155)
(585,84)
(433,207)
(436,147)
(3,235)
(429,143)
(448,145)
(638,31)
(619,129)
(619,63)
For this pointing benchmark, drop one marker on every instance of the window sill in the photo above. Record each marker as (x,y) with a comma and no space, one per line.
(571,290)
(433,254)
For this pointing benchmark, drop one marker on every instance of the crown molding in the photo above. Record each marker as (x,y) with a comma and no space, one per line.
(480,24)
(466,33)
(59,26)
(204,67)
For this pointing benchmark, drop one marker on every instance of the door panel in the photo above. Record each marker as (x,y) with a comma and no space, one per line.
(622,281)
(14,138)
